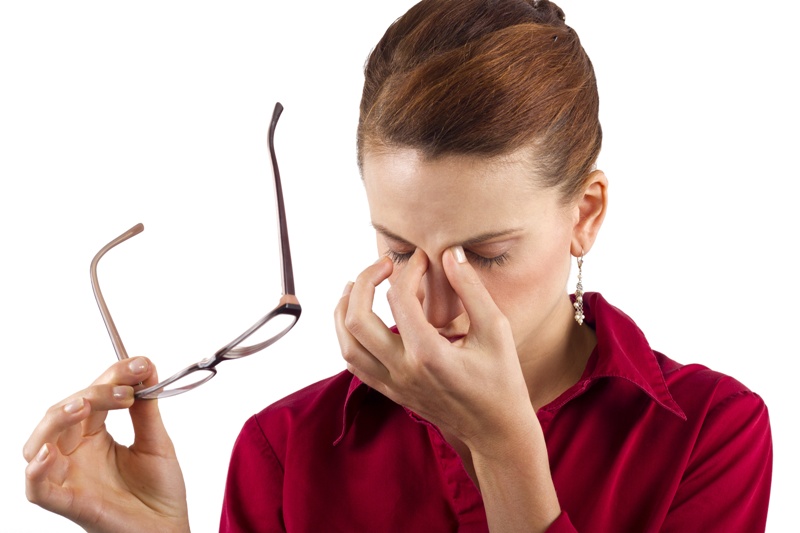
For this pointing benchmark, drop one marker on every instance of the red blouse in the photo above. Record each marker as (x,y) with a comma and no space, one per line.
(639,443)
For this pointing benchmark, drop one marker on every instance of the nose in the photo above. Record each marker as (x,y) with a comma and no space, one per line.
(440,303)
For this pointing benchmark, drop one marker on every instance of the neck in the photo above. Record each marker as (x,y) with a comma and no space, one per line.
(558,358)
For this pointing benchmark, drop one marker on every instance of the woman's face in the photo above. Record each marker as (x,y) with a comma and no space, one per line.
(516,235)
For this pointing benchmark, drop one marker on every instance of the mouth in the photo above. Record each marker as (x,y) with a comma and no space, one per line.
(454,338)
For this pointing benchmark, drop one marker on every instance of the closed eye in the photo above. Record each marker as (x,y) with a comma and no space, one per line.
(397,257)
(487,262)
(478,260)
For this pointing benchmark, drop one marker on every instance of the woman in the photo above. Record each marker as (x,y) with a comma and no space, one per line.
(498,401)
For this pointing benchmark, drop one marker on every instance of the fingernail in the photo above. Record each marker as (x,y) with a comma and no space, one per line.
(458,253)
(43,454)
(138,365)
(122,393)
(74,406)
(347,288)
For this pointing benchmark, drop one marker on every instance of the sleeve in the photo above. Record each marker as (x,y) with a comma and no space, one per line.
(562,524)
(726,484)
(253,493)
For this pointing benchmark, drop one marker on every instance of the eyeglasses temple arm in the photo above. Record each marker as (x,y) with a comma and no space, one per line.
(286,255)
(98,296)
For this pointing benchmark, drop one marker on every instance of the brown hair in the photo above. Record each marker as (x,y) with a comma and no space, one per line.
(485,77)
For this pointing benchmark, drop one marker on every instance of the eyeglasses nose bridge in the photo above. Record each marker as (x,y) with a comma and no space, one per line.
(160,390)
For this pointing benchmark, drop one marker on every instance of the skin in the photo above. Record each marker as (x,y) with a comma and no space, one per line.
(483,344)
(76,469)
(487,335)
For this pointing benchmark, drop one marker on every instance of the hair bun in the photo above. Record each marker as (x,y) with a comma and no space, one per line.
(548,12)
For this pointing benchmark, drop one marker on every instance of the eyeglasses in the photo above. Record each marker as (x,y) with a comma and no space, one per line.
(266,331)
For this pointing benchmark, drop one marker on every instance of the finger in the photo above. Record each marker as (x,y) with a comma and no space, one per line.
(124,375)
(112,390)
(150,434)
(405,305)
(43,481)
(484,315)
(126,372)
(361,321)
(359,361)
(93,405)
(80,414)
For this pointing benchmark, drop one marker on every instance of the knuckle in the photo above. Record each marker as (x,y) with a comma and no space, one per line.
(349,355)
(413,372)
(339,310)
(28,452)
(53,414)
(394,295)
(428,363)
(353,323)
(499,322)
(55,409)
(365,276)
(473,280)
(30,493)
(408,384)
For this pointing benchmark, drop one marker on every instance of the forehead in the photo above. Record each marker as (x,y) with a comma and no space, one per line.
(455,196)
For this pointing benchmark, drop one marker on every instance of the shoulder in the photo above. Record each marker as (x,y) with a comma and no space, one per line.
(623,351)
(326,395)
(727,426)
(313,410)
(702,392)
(729,454)
(305,422)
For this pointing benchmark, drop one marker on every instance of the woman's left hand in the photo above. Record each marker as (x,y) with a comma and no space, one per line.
(472,388)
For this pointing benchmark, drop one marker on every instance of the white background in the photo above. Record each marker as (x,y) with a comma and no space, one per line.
(114,113)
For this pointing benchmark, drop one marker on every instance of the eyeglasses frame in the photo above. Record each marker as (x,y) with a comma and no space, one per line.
(288,305)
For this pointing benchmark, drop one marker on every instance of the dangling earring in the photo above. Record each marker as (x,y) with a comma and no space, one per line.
(578,305)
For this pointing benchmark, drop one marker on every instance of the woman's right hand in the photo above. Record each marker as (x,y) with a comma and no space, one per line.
(76,469)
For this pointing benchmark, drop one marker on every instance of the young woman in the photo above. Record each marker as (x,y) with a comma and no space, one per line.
(499,400)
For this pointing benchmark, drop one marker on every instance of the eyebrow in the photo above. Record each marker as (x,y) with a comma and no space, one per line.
(478,239)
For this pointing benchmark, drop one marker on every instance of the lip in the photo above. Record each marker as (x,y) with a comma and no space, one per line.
(454,338)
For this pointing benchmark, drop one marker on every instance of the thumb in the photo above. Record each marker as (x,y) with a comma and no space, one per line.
(150,435)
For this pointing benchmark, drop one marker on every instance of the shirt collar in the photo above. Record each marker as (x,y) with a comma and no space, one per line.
(622,352)
(355,396)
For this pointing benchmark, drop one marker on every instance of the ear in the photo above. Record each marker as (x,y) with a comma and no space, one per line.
(590,210)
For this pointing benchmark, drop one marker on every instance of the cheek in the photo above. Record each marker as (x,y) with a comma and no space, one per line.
(528,292)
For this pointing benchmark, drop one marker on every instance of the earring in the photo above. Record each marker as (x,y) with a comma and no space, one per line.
(578,305)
